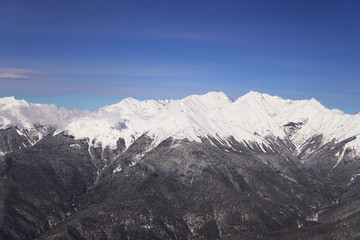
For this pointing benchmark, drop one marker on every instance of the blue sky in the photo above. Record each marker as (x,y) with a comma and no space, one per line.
(86,54)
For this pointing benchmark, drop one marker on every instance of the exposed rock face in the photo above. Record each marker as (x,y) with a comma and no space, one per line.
(13,139)
(60,188)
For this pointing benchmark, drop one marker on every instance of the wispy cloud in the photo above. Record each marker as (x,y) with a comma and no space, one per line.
(353,90)
(16,73)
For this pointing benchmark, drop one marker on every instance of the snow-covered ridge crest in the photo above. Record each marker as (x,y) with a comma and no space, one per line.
(251,118)
(160,119)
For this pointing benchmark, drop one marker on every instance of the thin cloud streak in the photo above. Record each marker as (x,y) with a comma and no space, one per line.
(353,90)
(17,73)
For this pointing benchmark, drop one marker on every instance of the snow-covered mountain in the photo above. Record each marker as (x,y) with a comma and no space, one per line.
(253,118)
(202,167)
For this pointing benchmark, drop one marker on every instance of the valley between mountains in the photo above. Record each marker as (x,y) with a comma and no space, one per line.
(203,167)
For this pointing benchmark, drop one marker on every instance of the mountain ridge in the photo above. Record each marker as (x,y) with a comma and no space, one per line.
(253,117)
(203,167)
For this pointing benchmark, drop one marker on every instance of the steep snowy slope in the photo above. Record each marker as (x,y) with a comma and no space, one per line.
(299,120)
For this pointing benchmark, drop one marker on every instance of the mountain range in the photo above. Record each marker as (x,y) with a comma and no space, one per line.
(203,167)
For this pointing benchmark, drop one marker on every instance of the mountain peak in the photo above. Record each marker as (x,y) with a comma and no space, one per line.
(313,100)
(255,98)
(254,94)
(10,98)
(219,94)
(9,102)
(211,96)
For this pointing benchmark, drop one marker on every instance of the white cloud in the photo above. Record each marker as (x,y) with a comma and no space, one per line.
(25,115)
(16,73)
